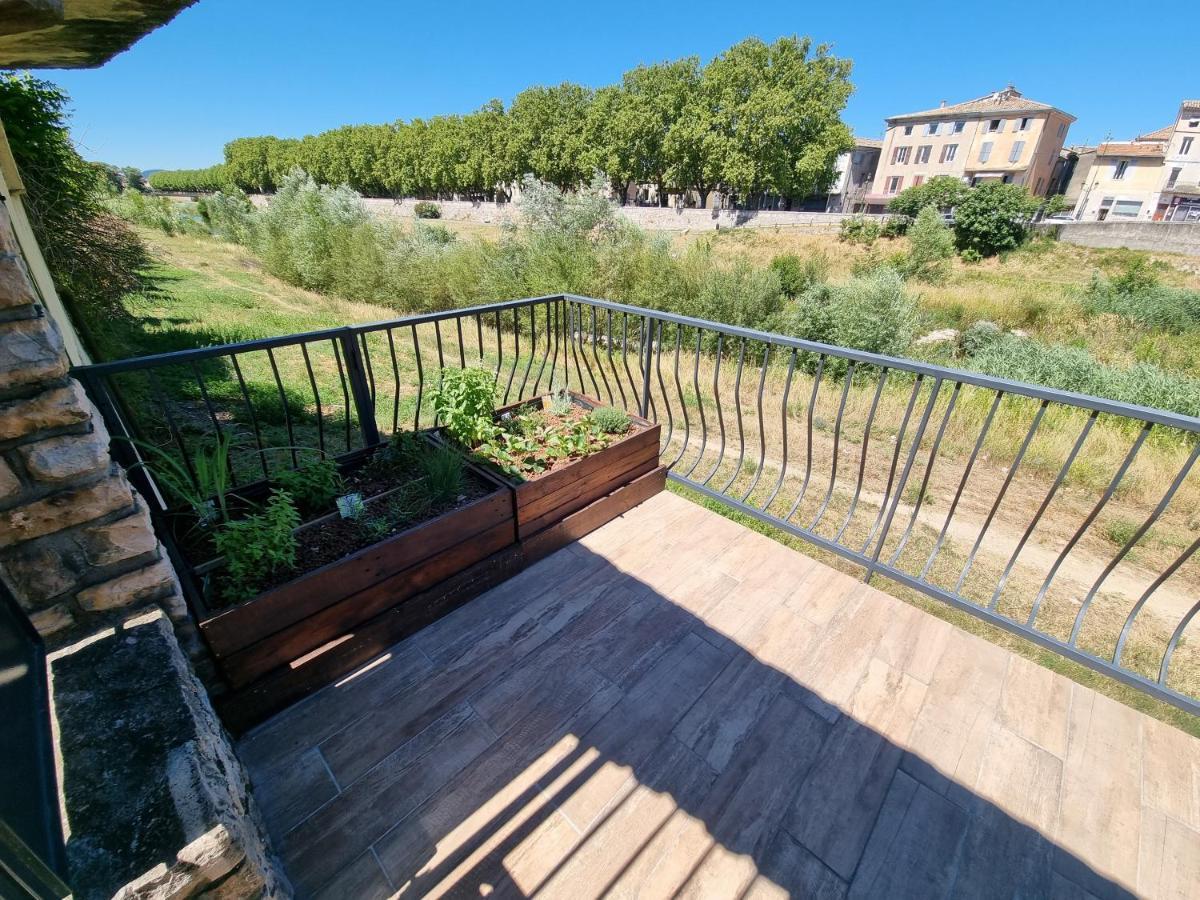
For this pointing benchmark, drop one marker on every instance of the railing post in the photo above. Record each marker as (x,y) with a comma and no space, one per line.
(647,335)
(364,405)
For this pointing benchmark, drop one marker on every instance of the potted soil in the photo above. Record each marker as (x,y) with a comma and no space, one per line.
(559,453)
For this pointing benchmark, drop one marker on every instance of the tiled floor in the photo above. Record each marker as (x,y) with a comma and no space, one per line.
(677,705)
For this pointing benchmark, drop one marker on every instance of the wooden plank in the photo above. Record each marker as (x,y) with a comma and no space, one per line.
(289,797)
(342,616)
(595,514)
(1034,705)
(363,879)
(244,708)
(639,446)
(287,604)
(343,829)
(787,870)
(580,493)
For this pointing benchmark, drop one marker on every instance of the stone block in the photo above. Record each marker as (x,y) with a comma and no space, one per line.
(142,586)
(31,351)
(15,287)
(124,539)
(156,803)
(10,484)
(58,460)
(64,509)
(57,408)
(52,619)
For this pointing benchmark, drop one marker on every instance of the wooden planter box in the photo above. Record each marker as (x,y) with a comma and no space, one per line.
(287,622)
(543,501)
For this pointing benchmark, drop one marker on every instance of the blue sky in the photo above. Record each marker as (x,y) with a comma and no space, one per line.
(230,68)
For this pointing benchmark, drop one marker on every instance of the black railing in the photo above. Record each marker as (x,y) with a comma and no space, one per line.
(1063,518)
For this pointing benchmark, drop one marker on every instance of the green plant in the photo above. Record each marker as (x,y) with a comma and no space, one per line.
(943,192)
(313,486)
(207,494)
(932,247)
(465,402)
(443,474)
(427,210)
(859,230)
(611,420)
(970,255)
(797,274)
(979,336)
(1121,531)
(1138,295)
(561,403)
(258,547)
(894,227)
(993,217)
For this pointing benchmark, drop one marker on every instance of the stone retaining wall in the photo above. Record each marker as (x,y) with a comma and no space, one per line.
(1164,237)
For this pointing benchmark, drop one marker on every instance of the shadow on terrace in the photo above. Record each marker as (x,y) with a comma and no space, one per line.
(678,704)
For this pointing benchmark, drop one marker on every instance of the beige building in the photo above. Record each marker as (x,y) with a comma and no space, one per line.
(1156,176)
(1002,136)
(855,175)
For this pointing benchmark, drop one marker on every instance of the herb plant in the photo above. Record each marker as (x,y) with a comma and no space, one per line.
(258,546)
(611,420)
(314,486)
(207,496)
(465,402)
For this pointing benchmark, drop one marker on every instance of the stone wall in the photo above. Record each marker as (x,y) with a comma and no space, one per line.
(1164,237)
(134,730)
(655,218)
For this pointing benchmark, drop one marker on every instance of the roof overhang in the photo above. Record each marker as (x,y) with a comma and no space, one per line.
(73,34)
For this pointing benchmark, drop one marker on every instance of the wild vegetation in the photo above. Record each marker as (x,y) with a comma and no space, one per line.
(759,118)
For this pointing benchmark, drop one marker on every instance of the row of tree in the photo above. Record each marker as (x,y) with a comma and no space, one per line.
(758,119)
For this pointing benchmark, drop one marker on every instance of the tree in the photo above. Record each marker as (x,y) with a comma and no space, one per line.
(548,134)
(932,247)
(943,192)
(993,217)
(484,167)
(653,100)
(608,148)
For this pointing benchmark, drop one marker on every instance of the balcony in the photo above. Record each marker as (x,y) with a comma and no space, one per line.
(675,702)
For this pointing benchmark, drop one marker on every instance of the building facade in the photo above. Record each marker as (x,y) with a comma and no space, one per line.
(1003,136)
(855,175)
(1156,176)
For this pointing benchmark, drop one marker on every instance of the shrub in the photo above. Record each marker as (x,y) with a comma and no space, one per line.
(797,274)
(932,247)
(993,217)
(230,216)
(979,337)
(611,420)
(739,295)
(258,547)
(970,256)
(894,227)
(1075,369)
(168,216)
(859,230)
(465,402)
(1137,295)
(427,210)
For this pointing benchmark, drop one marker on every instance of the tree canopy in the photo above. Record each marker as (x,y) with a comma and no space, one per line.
(759,118)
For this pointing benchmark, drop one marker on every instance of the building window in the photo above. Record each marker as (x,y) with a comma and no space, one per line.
(995,126)
(1174,177)
(908,129)
(1127,208)
(1119,170)
(923,153)
(932,128)
(900,155)
(1186,147)
(959,126)
(949,151)
(1024,124)
(893,184)
(985,151)
(1195,123)
(918,180)
(1018,148)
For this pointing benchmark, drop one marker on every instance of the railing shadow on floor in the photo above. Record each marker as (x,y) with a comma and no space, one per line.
(576,732)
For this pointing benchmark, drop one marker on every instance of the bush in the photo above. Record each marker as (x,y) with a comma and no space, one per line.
(611,420)
(932,247)
(427,210)
(970,256)
(942,192)
(258,547)
(230,216)
(993,217)
(979,337)
(1075,369)
(797,274)
(859,230)
(894,227)
(148,211)
(1137,295)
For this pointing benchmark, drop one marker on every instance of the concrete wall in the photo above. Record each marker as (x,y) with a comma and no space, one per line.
(1167,237)
(652,217)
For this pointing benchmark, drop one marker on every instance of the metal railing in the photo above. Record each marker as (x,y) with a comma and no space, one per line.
(1062,518)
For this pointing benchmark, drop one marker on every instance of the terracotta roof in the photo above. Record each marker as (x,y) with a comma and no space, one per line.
(1163,134)
(1131,148)
(871,143)
(1009,100)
